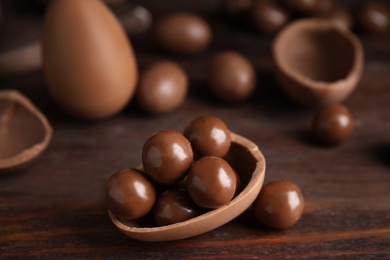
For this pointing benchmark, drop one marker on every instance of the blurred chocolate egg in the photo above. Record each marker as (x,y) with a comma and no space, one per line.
(183,33)
(162,88)
(89,65)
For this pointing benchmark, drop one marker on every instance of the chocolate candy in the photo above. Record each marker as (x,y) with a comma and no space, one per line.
(374,17)
(211,182)
(129,194)
(339,16)
(279,205)
(302,6)
(162,88)
(236,8)
(267,16)
(174,206)
(167,157)
(209,136)
(332,124)
(231,77)
(183,33)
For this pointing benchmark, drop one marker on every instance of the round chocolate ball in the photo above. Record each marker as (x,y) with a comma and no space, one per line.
(374,17)
(211,182)
(129,194)
(339,16)
(332,124)
(174,206)
(268,17)
(231,77)
(167,157)
(162,88)
(209,136)
(279,205)
(236,8)
(183,33)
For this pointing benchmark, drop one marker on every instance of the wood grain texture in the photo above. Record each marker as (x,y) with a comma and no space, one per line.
(54,209)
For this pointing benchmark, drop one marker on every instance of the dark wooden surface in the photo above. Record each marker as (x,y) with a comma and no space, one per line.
(54,209)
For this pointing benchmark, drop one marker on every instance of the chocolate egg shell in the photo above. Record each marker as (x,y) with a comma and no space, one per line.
(374,17)
(317,62)
(279,205)
(231,77)
(162,87)
(249,163)
(332,124)
(211,182)
(167,157)
(24,131)
(267,16)
(89,64)
(129,194)
(183,33)
(174,206)
(209,136)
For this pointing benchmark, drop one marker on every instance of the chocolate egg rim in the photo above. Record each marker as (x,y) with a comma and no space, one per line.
(209,220)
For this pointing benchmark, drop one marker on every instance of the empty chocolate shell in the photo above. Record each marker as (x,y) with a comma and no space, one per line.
(24,131)
(317,62)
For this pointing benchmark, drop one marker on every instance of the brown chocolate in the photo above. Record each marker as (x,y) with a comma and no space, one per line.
(324,6)
(236,8)
(209,136)
(374,17)
(129,194)
(134,18)
(304,7)
(267,16)
(162,87)
(211,182)
(167,157)
(174,206)
(231,77)
(332,124)
(183,33)
(24,131)
(339,16)
(279,205)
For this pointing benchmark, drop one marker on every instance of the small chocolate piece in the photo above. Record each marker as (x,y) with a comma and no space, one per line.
(135,18)
(279,205)
(323,6)
(209,136)
(211,182)
(183,33)
(162,88)
(302,7)
(374,17)
(167,157)
(339,16)
(129,194)
(267,16)
(231,77)
(174,206)
(332,124)
(236,8)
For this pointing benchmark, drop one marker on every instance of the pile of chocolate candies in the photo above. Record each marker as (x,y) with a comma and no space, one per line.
(183,176)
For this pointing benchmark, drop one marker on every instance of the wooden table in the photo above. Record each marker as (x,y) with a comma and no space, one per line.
(55,210)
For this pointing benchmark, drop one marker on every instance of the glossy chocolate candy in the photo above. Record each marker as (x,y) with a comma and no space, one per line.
(211,182)
(162,88)
(209,136)
(332,124)
(339,16)
(174,206)
(267,16)
(129,194)
(231,77)
(374,17)
(167,157)
(279,205)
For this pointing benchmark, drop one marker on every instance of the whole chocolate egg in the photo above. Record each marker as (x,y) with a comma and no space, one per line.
(89,65)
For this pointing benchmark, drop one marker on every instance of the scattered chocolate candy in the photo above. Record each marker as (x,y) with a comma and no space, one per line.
(279,205)
(209,136)
(167,157)
(339,16)
(304,7)
(231,77)
(162,88)
(174,206)
(332,124)
(183,33)
(268,17)
(211,182)
(324,6)
(236,8)
(129,194)
(374,17)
